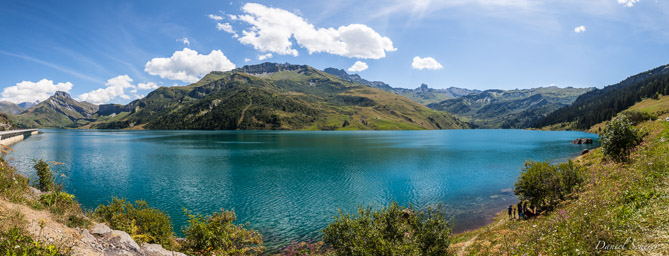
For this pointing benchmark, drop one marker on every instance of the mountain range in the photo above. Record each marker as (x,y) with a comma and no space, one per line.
(299,97)
(509,108)
(259,97)
(423,94)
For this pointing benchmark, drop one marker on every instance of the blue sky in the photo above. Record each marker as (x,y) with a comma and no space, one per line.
(117,51)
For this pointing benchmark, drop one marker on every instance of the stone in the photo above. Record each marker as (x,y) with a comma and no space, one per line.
(100,229)
(86,237)
(121,240)
(582,141)
(585,151)
(158,250)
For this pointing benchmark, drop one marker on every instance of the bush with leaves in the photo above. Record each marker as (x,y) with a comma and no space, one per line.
(393,230)
(143,223)
(45,177)
(545,185)
(217,235)
(619,138)
(636,116)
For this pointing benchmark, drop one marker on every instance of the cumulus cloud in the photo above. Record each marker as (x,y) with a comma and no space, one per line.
(184,40)
(272,30)
(425,63)
(579,29)
(215,17)
(628,3)
(28,91)
(115,88)
(358,66)
(188,66)
(247,59)
(265,56)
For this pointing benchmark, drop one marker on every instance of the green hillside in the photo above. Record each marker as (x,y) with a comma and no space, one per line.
(275,96)
(509,109)
(601,105)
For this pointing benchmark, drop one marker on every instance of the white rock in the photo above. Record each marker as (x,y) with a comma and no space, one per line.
(122,240)
(100,229)
(158,250)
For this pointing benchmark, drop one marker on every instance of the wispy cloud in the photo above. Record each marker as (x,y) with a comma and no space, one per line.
(54,66)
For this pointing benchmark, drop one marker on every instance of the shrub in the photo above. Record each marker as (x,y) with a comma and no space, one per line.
(619,137)
(217,235)
(545,185)
(393,230)
(143,223)
(636,116)
(45,178)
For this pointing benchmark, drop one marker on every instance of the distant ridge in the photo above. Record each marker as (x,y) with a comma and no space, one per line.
(422,94)
(510,108)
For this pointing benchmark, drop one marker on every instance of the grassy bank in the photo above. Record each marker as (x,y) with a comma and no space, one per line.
(621,208)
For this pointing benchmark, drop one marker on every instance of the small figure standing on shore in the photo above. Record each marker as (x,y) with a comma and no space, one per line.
(513,214)
(510,216)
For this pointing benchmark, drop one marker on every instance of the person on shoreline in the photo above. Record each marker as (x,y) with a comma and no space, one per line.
(509,209)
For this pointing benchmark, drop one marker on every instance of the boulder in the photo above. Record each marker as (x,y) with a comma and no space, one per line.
(158,250)
(100,229)
(121,240)
(585,151)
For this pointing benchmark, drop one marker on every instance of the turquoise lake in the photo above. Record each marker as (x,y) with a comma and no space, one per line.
(290,184)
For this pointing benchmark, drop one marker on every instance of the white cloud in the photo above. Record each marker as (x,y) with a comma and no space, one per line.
(272,29)
(628,3)
(225,27)
(184,41)
(188,66)
(28,91)
(115,88)
(247,59)
(147,86)
(358,66)
(265,56)
(579,29)
(425,63)
(215,17)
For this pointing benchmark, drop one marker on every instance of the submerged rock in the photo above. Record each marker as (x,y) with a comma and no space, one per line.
(582,141)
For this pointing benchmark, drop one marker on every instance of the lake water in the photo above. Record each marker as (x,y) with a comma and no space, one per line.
(290,184)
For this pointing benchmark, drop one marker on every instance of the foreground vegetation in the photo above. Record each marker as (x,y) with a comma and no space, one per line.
(618,207)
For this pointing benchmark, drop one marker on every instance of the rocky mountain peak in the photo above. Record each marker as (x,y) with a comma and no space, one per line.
(62,94)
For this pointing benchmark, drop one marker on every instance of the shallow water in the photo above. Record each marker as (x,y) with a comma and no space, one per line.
(289,184)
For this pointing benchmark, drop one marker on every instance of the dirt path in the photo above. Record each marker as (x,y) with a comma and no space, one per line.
(241,118)
(469,242)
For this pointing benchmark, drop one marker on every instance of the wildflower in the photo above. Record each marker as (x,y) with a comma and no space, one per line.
(16,247)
